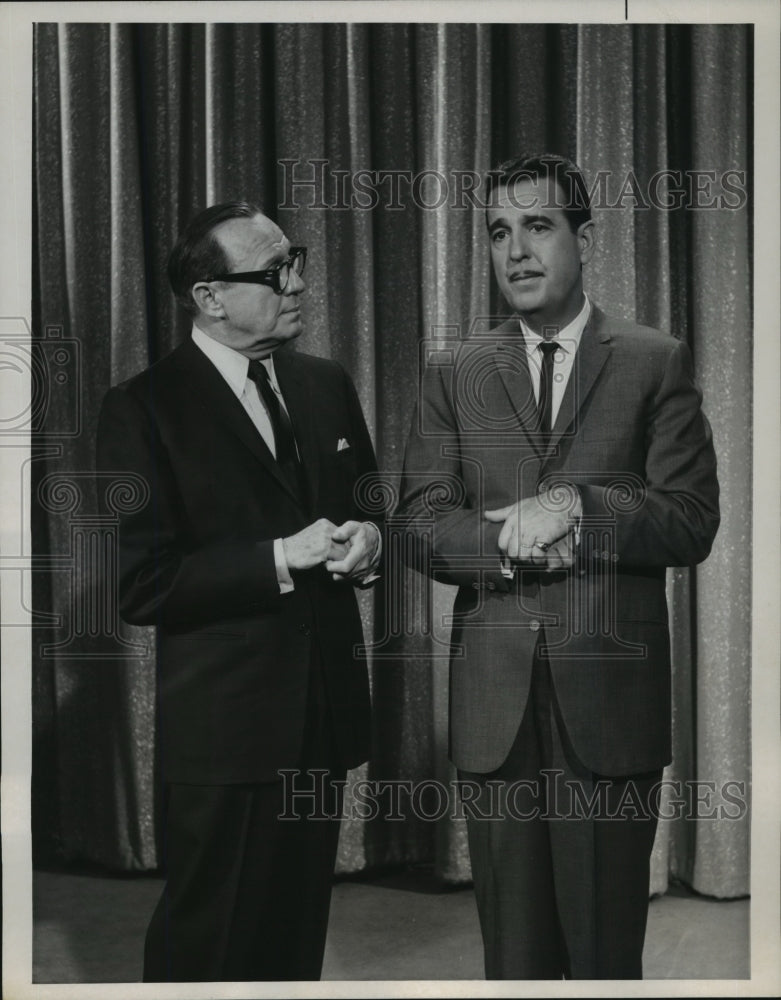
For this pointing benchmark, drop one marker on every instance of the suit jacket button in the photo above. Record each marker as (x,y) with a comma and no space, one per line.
(491,586)
(534,625)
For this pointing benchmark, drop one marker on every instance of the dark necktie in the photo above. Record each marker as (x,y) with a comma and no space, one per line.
(545,403)
(284,438)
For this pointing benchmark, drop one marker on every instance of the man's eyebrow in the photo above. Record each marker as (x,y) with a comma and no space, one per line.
(527,220)
(278,257)
(500,223)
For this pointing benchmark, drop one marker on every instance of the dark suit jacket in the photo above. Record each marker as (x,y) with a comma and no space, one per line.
(197,561)
(631,437)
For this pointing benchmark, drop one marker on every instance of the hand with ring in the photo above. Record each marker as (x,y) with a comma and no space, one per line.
(532,529)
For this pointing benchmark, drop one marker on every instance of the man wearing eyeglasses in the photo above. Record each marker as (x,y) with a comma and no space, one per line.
(245,559)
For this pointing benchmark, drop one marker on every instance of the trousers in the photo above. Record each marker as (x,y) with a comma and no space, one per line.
(249,870)
(560,856)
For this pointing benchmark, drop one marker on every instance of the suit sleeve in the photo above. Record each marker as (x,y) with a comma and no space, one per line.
(366,463)
(451,540)
(167,577)
(673,519)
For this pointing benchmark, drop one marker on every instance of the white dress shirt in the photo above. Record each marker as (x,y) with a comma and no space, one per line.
(563,359)
(234,367)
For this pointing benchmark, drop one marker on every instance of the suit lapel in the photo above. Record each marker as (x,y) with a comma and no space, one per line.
(592,353)
(513,367)
(208,385)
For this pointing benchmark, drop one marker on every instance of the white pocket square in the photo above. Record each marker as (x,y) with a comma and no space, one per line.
(342,444)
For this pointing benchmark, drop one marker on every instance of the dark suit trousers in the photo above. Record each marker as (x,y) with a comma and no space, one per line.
(247,894)
(562,888)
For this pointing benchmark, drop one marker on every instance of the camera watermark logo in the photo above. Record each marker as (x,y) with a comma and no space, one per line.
(490,379)
(51,367)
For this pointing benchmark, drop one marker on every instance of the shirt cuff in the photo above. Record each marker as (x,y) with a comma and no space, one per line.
(284,579)
(508,571)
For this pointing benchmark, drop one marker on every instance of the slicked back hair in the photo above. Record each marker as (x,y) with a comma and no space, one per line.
(572,195)
(198,253)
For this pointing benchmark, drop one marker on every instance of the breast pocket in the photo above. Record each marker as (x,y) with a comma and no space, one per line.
(338,473)
(343,462)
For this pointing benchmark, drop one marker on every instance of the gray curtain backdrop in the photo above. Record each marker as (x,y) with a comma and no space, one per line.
(138,127)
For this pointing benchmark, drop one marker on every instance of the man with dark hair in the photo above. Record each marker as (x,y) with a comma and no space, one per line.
(568,193)
(554,469)
(245,558)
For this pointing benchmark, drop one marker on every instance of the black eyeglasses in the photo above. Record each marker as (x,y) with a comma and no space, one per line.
(277,277)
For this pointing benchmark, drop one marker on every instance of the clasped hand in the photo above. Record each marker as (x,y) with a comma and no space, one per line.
(534,532)
(347,550)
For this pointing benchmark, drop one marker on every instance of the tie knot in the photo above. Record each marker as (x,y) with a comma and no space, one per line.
(258,373)
(548,347)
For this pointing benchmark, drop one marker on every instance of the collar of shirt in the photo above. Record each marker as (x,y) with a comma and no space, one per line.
(229,363)
(568,338)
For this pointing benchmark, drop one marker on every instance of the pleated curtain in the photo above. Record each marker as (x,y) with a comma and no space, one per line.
(137,127)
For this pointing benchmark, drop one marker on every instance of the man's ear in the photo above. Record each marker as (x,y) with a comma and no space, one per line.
(206,295)
(587,240)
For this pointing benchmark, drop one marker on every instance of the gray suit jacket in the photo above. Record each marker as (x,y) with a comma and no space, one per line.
(631,437)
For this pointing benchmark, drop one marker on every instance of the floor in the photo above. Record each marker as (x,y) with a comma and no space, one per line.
(408,928)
